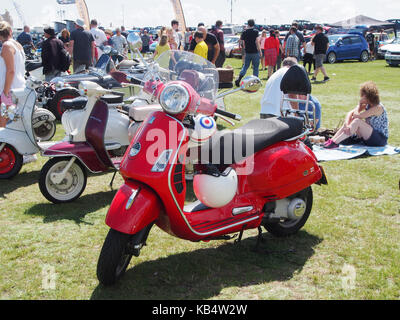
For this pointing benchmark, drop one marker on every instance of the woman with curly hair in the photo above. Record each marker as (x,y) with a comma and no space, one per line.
(367,123)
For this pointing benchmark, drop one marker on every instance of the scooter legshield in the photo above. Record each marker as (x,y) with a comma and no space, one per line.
(133,208)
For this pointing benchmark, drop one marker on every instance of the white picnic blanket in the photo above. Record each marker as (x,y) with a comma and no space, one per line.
(352,151)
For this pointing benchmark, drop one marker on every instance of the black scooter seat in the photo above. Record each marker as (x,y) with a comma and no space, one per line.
(228,147)
(73,104)
(32,65)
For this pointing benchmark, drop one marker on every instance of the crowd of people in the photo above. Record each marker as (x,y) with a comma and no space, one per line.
(368,122)
(270,50)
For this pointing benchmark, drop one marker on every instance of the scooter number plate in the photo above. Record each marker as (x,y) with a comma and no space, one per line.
(39,119)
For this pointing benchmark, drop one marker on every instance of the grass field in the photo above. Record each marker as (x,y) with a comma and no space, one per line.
(349,248)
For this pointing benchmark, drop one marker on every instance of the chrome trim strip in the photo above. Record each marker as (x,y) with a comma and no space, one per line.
(236,211)
(132,198)
(179,208)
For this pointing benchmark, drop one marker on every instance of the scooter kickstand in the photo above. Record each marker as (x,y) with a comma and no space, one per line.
(260,239)
(239,239)
(112,180)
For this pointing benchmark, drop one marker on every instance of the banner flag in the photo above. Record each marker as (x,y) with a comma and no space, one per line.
(83,12)
(179,14)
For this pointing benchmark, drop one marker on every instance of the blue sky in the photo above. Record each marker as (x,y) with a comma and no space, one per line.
(159,12)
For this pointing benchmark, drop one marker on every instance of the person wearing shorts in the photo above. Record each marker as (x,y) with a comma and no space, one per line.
(321,45)
(367,123)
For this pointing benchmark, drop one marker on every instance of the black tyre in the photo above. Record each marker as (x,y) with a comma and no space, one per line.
(55,103)
(114,257)
(332,57)
(10,162)
(364,56)
(290,227)
(70,188)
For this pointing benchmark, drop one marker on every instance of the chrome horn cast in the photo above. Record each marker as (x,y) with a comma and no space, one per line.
(251,84)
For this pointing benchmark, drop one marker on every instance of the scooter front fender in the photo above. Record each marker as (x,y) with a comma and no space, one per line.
(41,112)
(133,208)
(19,140)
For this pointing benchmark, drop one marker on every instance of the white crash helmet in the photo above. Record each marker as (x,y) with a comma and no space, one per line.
(204,128)
(216,191)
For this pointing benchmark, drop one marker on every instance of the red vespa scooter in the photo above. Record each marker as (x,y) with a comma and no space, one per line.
(258,175)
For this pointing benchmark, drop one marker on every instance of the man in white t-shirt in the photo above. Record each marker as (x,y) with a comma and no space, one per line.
(100,38)
(271,101)
(177,38)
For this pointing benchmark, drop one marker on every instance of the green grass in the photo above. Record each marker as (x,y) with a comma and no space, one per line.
(355,221)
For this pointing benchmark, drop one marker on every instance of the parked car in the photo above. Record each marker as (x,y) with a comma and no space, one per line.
(231,43)
(392,55)
(347,47)
(228,31)
(382,49)
(153,46)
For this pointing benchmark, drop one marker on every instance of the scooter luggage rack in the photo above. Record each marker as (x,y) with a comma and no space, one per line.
(296,82)
(304,115)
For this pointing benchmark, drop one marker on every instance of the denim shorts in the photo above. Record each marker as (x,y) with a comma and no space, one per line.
(377,139)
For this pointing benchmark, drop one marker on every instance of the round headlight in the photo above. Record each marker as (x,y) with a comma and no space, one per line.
(174,99)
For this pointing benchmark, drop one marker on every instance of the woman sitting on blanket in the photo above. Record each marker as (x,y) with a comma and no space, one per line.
(367,123)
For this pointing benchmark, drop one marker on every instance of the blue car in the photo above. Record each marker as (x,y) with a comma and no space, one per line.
(347,47)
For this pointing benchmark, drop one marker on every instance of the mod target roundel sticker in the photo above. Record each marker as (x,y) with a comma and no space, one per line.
(207,122)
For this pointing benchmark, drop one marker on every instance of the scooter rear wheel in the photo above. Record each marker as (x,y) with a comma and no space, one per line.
(72,185)
(114,257)
(46,131)
(290,227)
(10,162)
(55,103)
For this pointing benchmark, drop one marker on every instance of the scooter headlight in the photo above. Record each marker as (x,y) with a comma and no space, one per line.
(174,98)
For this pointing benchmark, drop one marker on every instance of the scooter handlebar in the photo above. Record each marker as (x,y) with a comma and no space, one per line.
(228,114)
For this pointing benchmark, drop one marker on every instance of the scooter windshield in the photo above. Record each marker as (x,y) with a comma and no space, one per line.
(200,73)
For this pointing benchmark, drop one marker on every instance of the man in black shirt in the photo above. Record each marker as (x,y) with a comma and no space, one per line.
(252,49)
(371,42)
(51,51)
(82,47)
(212,43)
(321,46)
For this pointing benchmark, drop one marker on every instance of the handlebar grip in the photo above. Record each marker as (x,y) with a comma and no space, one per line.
(228,114)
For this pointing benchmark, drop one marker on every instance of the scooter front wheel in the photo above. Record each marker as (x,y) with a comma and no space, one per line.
(114,257)
(10,162)
(290,227)
(72,184)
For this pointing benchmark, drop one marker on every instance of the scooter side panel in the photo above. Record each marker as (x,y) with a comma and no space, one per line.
(81,150)
(133,208)
(212,222)
(95,131)
(289,167)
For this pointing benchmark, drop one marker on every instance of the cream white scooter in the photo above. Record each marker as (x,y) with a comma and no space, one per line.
(19,138)
(97,136)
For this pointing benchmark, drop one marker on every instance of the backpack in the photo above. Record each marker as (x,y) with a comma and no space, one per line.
(65,59)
